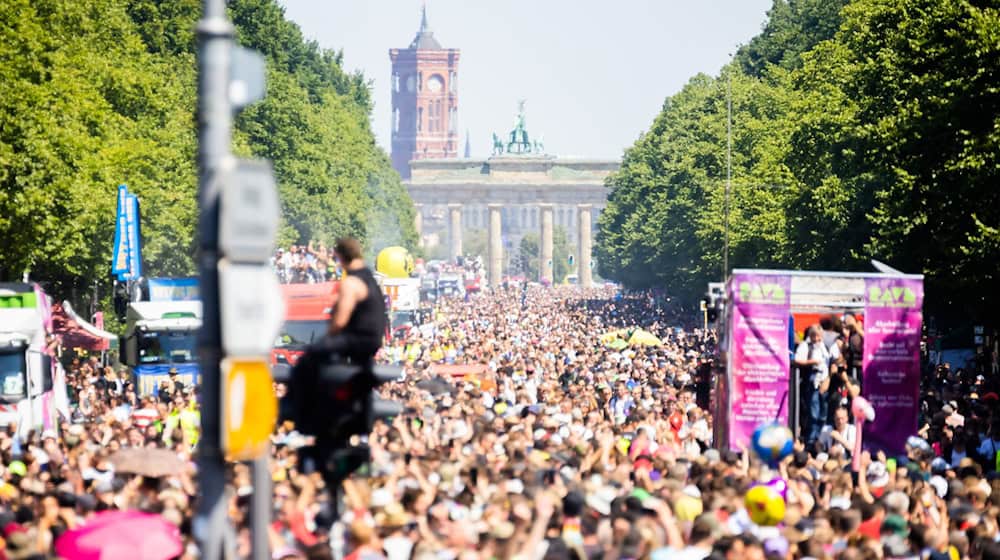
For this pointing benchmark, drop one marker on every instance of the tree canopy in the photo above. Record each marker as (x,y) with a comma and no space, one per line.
(95,93)
(862,130)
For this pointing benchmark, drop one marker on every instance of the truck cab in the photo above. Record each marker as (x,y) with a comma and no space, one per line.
(29,375)
(307,319)
(161,336)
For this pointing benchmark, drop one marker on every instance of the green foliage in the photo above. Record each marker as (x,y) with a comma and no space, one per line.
(863,129)
(793,28)
(560,254)
(475,243)
(527,259)
(94,93)
(528,252)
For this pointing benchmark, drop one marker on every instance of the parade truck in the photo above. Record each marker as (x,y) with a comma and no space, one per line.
(450,285)
(161,335)
(402,297)
(307,319)
(32,382)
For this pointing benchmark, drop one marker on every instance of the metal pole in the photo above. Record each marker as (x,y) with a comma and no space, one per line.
(260,507)
(215,37)
(729,172)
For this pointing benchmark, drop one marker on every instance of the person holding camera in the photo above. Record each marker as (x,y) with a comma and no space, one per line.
(813,358)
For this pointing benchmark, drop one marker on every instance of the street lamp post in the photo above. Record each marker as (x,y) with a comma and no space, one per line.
(215,35)
(729,174)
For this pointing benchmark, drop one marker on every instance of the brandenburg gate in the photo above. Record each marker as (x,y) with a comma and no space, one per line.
(510,194)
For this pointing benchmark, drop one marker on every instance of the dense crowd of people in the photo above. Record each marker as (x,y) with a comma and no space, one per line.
(304,264)
(527,435)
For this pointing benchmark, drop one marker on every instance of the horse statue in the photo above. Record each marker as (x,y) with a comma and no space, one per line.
(497,145)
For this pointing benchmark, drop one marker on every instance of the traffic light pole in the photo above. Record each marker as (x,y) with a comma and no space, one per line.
(215,36)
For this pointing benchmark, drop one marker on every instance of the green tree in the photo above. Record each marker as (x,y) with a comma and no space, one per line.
(793,28)
(474,242)
(862,129)
(95,93)
(527,256)
(560,254)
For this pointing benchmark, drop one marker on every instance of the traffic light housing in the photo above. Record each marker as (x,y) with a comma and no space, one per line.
(335,401)
(714,302)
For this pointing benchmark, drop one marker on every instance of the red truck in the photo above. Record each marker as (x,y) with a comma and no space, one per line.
(307,316)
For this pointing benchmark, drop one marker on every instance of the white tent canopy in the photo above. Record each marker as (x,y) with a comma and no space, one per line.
(85,325)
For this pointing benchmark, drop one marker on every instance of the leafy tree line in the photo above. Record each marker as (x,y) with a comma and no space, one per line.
(94,93)
(861,129)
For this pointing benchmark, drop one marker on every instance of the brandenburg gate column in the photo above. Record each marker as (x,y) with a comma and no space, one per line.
(418,223)
(545,259)
(454,231)
(584,273)
(494,267)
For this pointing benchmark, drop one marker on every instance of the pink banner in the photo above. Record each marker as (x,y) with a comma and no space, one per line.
(891,364)
(759,362)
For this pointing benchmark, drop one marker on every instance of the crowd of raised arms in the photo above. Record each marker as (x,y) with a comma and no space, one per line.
(553,444)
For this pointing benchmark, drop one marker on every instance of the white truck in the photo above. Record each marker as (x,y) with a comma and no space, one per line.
(32,382)
(402,301)
(161,336)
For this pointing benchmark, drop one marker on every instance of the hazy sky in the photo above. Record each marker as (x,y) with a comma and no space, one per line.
(594,72)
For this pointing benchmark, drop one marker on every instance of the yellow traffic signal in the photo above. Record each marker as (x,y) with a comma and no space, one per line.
(249,407)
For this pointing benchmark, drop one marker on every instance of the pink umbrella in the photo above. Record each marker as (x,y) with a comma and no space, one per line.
(122,535)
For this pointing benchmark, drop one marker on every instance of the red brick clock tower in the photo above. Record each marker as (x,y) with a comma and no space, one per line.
(424,100)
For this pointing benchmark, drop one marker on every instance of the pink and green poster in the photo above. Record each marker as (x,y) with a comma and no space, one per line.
(891,382)
(759,361)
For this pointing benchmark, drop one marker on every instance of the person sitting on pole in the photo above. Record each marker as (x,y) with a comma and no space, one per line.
(358,319)
(357,325)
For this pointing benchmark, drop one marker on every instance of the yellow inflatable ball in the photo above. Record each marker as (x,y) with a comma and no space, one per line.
(394,262)
(765,505)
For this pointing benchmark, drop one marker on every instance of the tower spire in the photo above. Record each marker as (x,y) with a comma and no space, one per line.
(468,144)
(423,17)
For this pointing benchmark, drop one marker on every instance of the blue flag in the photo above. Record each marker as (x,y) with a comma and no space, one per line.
(134,241)
(119,258)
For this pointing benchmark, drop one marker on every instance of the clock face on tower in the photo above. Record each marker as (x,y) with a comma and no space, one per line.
(435,83)
(411,83)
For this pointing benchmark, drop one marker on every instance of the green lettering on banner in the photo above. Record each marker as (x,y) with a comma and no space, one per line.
(895,296)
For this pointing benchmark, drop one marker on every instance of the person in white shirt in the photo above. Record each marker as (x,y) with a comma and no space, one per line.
(842,433)
(813,358)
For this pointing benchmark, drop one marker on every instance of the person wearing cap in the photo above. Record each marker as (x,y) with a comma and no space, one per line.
(176,385)
(395,530)
(364,542)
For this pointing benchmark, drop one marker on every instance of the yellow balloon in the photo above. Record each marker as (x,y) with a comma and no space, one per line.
(765,505)
(394,262)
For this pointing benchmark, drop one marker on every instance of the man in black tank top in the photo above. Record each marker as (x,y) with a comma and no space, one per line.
(358,320)
(357,326)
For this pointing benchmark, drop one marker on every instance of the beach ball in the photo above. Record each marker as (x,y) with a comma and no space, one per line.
(765,505)
(772,443)
(394,262)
